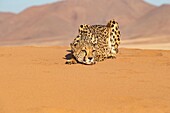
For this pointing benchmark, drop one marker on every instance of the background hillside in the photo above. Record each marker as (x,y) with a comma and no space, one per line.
(57,23)
(154,23)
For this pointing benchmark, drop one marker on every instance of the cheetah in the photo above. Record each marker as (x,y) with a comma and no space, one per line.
(95,43)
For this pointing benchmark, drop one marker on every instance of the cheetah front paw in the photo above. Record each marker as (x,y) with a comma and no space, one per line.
(72,61)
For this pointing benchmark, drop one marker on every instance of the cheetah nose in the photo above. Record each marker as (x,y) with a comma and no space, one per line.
(90,58)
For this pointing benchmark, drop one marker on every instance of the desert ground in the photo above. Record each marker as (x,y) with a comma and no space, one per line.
(37,80)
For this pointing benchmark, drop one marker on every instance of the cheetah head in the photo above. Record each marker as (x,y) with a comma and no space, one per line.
(85,54)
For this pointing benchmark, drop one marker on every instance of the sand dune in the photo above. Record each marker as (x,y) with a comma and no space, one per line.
(36,80)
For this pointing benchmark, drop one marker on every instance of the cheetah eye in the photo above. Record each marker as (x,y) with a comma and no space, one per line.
(83,51)
(93,50)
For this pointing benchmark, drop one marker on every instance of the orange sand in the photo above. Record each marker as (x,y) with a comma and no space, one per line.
(36,80)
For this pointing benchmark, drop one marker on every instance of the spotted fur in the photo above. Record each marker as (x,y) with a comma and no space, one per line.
(96,43)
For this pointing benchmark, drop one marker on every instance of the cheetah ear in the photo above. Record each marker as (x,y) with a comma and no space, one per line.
(111,23)
(83,28)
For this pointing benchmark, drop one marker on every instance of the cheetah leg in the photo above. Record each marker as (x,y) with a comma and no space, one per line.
(100,58)
(112,54)
(71,61)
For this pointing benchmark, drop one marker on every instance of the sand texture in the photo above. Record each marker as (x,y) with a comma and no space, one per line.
(37,80)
